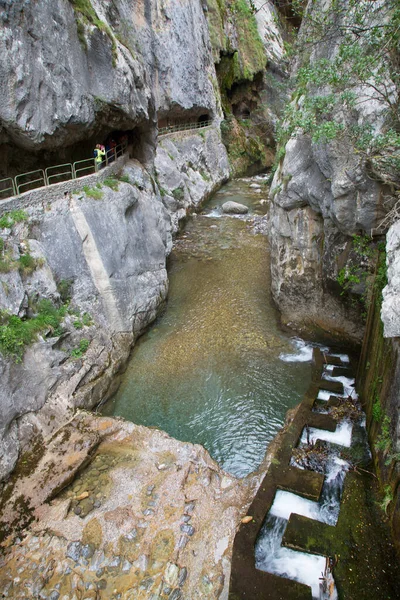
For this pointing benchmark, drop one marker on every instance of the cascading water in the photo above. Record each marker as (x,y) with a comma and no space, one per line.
(270,555)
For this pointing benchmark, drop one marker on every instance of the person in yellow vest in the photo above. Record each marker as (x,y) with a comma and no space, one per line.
(99,154)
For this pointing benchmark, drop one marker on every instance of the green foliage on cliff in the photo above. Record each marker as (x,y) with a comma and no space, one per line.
(248,58)
(17,333)
(251,59)
(244,144)
(81,349)
(10,218)
(356,278)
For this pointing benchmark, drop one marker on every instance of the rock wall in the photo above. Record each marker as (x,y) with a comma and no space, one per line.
(322,194)
(378,384)
(111,252)
(188,168)
(110,66)
(248,52)
(391,293)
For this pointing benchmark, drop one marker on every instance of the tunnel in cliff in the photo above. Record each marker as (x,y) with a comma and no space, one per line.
(19,157)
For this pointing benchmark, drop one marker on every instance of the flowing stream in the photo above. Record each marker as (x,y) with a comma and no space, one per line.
(215,368)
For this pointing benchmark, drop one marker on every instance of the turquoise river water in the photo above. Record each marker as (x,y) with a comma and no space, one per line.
(216,369)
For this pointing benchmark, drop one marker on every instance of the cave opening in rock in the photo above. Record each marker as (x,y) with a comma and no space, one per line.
(179,118)
(18,160)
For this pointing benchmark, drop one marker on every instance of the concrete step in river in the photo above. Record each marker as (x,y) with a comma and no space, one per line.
(311,530)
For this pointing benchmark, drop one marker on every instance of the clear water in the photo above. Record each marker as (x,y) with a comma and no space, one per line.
(209,371)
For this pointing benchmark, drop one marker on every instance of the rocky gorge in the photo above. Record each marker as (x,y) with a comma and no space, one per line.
(113,509)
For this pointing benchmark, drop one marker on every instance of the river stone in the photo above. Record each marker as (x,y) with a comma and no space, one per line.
(234,208)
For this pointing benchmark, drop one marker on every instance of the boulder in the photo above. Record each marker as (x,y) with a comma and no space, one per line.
(234,208)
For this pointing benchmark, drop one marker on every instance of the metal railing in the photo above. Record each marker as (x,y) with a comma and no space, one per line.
(14,186)
(50,173)
(184,127)
(5,190)
(34,178)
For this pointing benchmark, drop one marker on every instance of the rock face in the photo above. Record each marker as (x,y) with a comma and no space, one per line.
(147,516)
(109,66)
(112,253)
(390,312)
(322,196)
(234,208)
(248,53)
(189,167)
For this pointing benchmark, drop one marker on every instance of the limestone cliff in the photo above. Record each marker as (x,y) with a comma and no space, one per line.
(75,71)
(248,48)
(326,187)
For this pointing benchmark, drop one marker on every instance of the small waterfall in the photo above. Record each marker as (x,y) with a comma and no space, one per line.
(270,555)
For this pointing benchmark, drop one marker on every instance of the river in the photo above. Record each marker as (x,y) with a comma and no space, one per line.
(215,368)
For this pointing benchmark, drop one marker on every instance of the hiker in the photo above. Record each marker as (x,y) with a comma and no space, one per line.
(99,155)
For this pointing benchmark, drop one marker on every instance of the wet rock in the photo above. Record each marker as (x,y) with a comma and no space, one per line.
(189,508)
(87,551)
(234,208)
(86,506)
(150,489)
(102,584)
(186,518)
(146,584)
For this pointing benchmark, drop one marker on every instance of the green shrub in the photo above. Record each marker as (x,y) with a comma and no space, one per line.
(384,440)
(81,349)
(178,193)
(17,333)
(64,288)
(377,412)
(27,264)
(94,193)
(124,178)
(9,219)
(112,183)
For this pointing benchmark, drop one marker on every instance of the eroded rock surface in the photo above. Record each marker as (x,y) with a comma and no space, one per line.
(189,167)
(102,68)
(148,517)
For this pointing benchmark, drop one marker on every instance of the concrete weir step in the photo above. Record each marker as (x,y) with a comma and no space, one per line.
(336,387)
(307,535)
(342,372)
(334,360)
(322,421)
(304,483)
(246,581)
